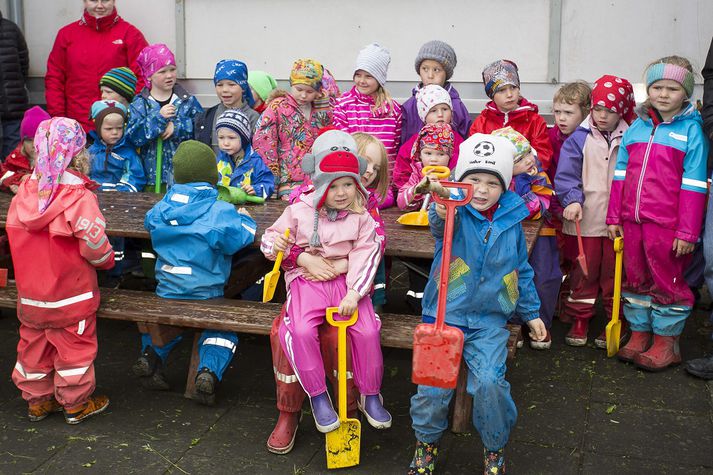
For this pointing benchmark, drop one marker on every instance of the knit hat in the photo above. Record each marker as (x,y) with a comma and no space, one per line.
(262,83)
(616,94)
(120,80)
(440,52)
(522,145)
(333,156)
(374,59)
(429,96)
(236,71)
(308,72)
(31,120)
(498,74)
(57,142)
(236,121)
(152,58)
(434,136)
(674,72)
(101,109)
(194,162)
(481,153)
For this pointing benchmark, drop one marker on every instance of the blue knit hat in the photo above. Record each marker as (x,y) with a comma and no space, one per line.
(236,121)
(236,71)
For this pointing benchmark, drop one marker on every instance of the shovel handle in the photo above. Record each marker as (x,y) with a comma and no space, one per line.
(451,203)
(341,323)
(618,264)
(440,171)
(341,355)
(278,259)
(579,237)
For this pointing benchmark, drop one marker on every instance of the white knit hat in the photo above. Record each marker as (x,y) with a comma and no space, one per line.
(374,59)
(482,153)
(429,96)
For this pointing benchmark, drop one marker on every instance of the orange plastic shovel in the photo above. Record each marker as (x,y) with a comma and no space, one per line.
(437,347)
(271,278)
(581,258)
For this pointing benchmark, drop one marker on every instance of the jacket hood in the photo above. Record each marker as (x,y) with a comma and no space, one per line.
(185,203)
(523,106)
(72,187)
(275,94)
(99,24)
(98,143)
(687,113)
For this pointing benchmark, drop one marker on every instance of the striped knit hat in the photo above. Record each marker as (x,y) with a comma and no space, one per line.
(375,60)
(236,121)
(120,80)
(674,72)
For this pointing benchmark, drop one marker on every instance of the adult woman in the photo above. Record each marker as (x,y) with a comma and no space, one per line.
(83,51)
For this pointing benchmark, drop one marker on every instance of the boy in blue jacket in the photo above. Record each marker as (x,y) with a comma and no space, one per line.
(490,279)
(194,236)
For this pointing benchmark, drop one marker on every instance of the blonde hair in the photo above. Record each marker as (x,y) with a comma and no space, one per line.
(80,162)
(578,93)
(363,140)
(383,100)
(359,203)
(675,60)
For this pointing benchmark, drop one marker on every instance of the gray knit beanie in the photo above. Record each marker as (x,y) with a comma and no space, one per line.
(440,52)
(375,60)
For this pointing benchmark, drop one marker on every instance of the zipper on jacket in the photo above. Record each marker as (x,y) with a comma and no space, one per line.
(641,175)
(487,234)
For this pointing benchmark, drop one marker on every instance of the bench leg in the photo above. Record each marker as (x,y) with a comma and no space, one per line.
(463,406)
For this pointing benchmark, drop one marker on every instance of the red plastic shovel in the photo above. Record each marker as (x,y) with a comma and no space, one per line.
(581,258)
(437,347)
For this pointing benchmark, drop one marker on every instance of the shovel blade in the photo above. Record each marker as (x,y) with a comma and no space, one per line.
(436,356)
(344,444)
(613,333)
(582,260)
(270,284)
(416,218)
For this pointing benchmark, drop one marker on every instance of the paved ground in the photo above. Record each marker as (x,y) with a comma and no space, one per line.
(580,413)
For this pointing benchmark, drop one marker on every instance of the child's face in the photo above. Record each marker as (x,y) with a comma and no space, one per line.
(164,79)
(365,82)
(304,94)
(341,194)
(229,141)
(109,94)
(372,153)
(486,190)
(230,93)
(257,98)
(567,116)
(28,150)
(430,157)
(667,96)
(604,119)
(112,129)
(431,72)
(440,113)
(524,165)
(507,97)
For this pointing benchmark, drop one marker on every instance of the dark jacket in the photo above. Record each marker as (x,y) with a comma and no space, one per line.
(707,111)
(14,64)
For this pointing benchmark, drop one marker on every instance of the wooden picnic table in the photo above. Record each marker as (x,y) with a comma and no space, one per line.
(124,214)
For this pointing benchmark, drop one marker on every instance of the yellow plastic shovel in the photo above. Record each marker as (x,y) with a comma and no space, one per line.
(344,443)
(271,278)
(420,218)
(614,326)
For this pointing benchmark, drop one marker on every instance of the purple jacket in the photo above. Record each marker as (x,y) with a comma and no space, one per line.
(411,123)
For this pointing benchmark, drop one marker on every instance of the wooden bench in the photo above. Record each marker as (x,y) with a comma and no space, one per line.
(154,314)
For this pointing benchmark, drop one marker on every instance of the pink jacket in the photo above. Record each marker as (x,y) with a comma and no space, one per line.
(353,114)
(350,235)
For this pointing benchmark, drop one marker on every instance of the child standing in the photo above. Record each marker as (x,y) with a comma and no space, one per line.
(57,240)
(161,116)
(570,106)
(493,281)
(434,63)
(289,125)
(583,180)
(657,204)
(335,210)
(118,84)
(195,236)
(238,164)
(231,86)
(21,161)
(508,107)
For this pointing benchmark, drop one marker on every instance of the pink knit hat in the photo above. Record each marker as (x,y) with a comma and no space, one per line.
(31,120)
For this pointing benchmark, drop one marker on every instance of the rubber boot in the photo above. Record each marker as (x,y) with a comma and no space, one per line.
(493,461)
(577,335)
(282,438)
(637,344)
(424,459)
(662,354)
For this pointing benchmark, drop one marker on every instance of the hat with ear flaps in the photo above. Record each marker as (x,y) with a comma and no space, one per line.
(334,156)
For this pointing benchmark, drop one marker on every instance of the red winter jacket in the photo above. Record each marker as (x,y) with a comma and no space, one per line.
(55,253)
(82,53)
(15,167)
(524,119)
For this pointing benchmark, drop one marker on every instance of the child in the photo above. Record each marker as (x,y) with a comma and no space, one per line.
(657,204)
(288,127)
(535,188)
(261,85)
(57,240)
(491,279)
(507,107)
(583,180)
(434,107)
(21,161)
(118,84)
(335,210)
(368,106)
(161,116)
(195,237)
(231,86)
(570,106)
(238,164)
(434,63)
